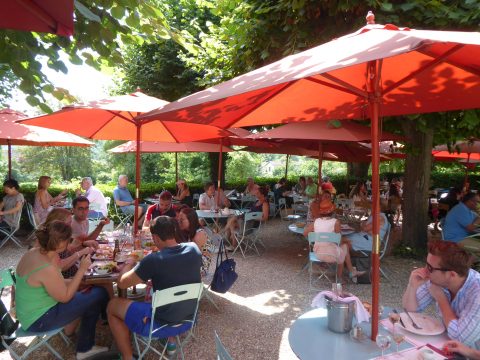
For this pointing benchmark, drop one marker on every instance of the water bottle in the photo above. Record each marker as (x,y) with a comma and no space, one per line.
(68,202)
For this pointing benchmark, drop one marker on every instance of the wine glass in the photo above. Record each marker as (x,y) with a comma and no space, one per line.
(398,338)
(383,342)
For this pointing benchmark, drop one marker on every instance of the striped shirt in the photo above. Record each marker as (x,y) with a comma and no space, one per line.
(466,306)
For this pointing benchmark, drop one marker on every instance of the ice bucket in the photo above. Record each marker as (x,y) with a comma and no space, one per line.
(340,315)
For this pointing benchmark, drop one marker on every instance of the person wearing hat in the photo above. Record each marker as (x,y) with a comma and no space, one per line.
(325,222)
(183,193)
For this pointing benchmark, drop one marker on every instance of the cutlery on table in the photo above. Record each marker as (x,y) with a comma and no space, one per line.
(413,322)
(401,321)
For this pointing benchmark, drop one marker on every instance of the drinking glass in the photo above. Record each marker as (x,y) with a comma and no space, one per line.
(398,338)
(383,342)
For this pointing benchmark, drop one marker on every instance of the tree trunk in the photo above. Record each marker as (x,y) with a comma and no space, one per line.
(213,157)
(355,172)
(416,184)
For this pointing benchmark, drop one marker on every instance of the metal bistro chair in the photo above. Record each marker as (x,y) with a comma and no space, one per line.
(222,353)
(167,297)
(315,237)
(123,218)
(196,198)
(383,250)
(281,208)
(248,237)
(41,338)
(32,219)
(10,233)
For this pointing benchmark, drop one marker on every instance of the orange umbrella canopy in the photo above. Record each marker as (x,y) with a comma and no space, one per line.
(322,131)
(116,118)
(13,133)
(158,146)
(420,71)
(38,15)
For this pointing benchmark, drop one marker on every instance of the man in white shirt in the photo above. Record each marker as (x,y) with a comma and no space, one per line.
(98,204)
(209,199)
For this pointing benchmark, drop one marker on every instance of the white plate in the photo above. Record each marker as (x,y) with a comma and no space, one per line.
(428,324)
(346,227)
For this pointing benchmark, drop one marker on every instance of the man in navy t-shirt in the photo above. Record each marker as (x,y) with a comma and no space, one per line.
(175,264)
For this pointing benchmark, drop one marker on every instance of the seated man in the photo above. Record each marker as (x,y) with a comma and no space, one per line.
(96,198)
(448,281)
(124,200)
(81,237)
(311,189)
(462,220)
(212,198)
(163,207)
(175,264)
(363,239)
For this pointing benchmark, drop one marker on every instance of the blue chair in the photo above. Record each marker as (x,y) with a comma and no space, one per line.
(319,237)
(383,250)
(222,353)
(167,297)
(41,338)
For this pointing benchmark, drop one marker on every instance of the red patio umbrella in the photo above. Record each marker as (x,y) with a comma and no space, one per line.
(380,70)
(160,147)
(337,138)
(47,16)
(12,133)
(116,118)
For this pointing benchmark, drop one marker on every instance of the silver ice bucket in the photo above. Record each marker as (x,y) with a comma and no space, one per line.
(340,315)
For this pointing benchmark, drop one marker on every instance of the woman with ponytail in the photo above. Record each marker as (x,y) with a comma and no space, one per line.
(45,301)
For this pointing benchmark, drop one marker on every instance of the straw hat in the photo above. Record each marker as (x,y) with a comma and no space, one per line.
(326,207)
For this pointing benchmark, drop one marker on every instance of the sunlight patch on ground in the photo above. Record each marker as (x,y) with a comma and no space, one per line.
(268,303)
(284,350)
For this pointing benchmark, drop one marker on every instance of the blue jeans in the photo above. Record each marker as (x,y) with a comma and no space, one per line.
(86,305)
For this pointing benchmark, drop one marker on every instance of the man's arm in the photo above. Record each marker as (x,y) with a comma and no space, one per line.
(411,299)
(473,226)
(98,229)
(128,277)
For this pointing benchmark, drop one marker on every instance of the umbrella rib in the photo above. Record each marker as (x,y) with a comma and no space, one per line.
(170,132)
(330,85)
(344,86)
(463,67)
(106,122)
(421,69)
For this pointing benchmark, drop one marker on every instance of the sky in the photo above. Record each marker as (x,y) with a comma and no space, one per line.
(83,82)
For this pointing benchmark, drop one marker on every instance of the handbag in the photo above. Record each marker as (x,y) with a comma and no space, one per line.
(225,274)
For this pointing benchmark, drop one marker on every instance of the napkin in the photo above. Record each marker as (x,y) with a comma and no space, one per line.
(361,314)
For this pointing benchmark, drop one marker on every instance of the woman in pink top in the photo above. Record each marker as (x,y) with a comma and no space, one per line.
(325,222)
(43,200)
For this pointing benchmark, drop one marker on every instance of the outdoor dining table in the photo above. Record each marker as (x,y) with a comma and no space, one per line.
(310,339)
(216,216)
(239,201)
(299,230)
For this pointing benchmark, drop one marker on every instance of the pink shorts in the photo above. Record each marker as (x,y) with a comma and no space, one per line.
(329,252)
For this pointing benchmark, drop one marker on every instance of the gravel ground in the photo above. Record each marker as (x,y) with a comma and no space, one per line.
(253,319)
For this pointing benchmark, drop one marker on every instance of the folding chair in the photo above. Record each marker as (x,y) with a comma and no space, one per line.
(247,200)
(299,206)
(222,353)
(213,244)
(248,237)
(167,297)
(280,208)
(383,249)
(32,219)
(41,338)
(319,237)
(123,218)
(196,198)
(10,234)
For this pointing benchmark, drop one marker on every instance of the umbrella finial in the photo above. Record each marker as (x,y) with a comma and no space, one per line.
(370,18)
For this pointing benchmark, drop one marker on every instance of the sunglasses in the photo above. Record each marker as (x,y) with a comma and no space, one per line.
(431,269)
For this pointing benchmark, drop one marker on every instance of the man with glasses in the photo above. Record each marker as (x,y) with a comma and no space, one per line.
(462,220)
(80,208)
(448,280)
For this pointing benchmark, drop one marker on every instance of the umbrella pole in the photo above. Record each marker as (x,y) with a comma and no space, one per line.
(9,159)
(320,161)
(374,105)
(466,171)
(219,178)
(176,166)
(137,181)
(286,167)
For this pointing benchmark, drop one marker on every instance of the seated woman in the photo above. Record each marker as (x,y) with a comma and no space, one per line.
(359,192)
(193,231)
(43,200)
(363,240)
(251,188)
(183,193)
(212,199)
(11,205)
(311,189)
(325,222)
(234,223)
(299,187)
(45,301)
